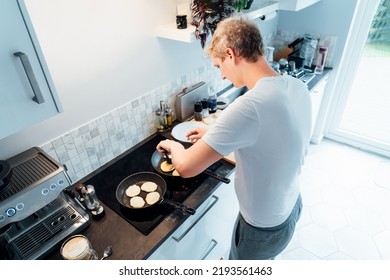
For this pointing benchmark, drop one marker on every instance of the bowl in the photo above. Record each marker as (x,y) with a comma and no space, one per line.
(222,102)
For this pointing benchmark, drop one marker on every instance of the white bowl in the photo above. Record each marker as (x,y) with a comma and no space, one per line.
(222,102)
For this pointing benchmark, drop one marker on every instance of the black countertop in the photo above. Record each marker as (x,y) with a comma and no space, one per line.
(318,78)
(127,242)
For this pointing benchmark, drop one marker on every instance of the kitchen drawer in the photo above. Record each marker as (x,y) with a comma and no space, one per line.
(207,234)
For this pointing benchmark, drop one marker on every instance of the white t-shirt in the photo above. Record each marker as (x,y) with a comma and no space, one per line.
(268,128)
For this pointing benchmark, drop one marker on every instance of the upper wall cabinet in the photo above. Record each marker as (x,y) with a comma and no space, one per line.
(295,5)
(27,94)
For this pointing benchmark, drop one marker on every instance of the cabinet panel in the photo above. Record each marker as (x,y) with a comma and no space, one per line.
(23,73)
(316,99)
(207,234)
(295,5)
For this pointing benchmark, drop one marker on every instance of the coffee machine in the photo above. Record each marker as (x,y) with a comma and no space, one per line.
(37,211)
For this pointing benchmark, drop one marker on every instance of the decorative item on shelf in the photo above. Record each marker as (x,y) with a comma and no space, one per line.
(248,5)
(207,14)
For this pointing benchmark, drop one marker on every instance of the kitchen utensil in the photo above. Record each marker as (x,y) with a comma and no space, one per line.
(140,178)
(167,158)
(157,159)
(286,51)
(186,99)
(180,130)
(107,252)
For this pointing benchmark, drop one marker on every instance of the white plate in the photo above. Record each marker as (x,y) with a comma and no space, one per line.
(180,131)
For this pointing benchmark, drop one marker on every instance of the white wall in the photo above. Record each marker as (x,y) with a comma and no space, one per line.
(101,54)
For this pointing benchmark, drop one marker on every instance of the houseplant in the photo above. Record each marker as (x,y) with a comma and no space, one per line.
(206,14)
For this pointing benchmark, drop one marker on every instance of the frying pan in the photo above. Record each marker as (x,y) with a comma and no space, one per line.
(157,159)
(140,178)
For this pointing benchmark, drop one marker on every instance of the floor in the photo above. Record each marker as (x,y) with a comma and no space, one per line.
(346,198)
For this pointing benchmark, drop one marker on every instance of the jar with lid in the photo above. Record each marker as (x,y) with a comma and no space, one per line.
(160,121)
(198,111)
(205,108)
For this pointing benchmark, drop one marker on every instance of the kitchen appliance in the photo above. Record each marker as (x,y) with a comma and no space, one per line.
(186,99)
(178,189)
(35,213)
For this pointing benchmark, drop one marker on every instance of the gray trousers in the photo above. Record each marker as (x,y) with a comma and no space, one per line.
(254,243)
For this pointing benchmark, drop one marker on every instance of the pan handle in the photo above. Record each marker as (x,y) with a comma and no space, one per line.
(216,176)
(183,208)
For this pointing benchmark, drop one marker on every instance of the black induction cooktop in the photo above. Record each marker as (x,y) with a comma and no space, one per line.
(139,160)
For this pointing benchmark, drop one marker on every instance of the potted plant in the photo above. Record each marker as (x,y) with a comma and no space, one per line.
(206,14)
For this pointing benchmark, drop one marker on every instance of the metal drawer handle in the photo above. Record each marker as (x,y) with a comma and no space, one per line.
(213,244)
(178,239)
(38,97)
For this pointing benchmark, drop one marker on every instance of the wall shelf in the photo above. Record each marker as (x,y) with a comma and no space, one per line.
(169,31)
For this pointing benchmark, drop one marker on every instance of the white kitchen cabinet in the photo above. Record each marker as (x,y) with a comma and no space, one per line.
(207,234)
(295,5)
(27,95)
(316,95)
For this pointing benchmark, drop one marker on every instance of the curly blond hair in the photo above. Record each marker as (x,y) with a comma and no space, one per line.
(239,34)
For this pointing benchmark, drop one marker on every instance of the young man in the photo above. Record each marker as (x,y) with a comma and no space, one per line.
(268,128)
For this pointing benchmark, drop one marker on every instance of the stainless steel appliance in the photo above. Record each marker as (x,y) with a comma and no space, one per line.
(35,212)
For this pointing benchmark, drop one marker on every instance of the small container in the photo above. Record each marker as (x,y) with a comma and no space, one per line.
(323,52)
(78,247)
(205,108)
(181,21)
(160,121)
(198,111)
(168,115)
(212,101)
(91,200)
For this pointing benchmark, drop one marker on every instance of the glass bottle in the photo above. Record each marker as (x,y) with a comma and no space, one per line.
(323,51)
(169,116)
(160,121)
(212,101)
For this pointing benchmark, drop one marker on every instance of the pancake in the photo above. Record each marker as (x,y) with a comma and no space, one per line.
(149,186)
(133,190)
(166,167)
(152,198)
(137,202)
(175,173)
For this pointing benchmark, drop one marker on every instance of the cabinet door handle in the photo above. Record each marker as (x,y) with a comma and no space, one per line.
(210,248)
(38,97)
(177,239)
